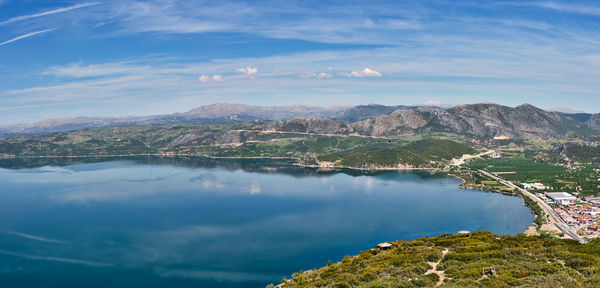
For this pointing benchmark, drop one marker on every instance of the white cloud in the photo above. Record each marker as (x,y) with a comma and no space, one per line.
(214,78)
(324,75)
(45,13)
(249,72)
(364,73)
(25,36)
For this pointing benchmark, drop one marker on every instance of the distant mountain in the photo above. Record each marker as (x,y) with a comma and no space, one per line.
(483,121)
(215,113)
(362,112)
(594,121)
(248,112)
(478,120)
(590,120)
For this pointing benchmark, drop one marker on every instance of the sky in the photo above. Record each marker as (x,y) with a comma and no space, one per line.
(63,59)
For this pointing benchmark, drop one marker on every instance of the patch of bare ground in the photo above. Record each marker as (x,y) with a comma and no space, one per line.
(434,266)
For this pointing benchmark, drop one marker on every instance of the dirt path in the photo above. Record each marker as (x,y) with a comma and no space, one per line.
(459,162)
(434,266)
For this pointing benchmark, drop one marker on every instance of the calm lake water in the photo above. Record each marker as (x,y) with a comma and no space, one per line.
(151,222)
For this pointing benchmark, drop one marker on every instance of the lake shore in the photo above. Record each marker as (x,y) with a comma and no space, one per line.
(321,167)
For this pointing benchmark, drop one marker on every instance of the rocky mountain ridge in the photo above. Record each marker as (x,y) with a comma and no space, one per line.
(483,121)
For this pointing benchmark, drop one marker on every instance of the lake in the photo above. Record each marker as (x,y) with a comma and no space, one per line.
(192,222)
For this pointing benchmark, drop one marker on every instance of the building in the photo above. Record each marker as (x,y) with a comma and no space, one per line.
(385,246)
(595,199)
(561,198)
(533,186)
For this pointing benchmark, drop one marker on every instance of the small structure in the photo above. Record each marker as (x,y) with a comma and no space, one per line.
(464,232)
(593,199)
(561,198)
(533,186)
(385,246)
(491,271)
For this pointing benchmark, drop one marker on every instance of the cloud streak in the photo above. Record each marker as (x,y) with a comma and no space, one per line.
(563,7)
(45,13)
(57,259)
(34,237)
(26,36)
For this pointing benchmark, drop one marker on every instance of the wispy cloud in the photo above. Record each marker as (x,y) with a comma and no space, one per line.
(56,259)
(26,36)
(214,78)
(35,237)
(45,13)
(78,70)
(563,7)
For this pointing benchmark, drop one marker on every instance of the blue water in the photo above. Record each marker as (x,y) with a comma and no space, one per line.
(151,222)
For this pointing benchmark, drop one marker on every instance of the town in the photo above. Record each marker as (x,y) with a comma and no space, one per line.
(582,215)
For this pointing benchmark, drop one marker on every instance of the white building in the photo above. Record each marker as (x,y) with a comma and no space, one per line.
(561,198)
(533,186)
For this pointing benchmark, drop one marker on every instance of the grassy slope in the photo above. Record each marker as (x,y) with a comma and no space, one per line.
(417,153)
(518,260)
(352,151)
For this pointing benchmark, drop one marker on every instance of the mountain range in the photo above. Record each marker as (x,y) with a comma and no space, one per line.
(485,121)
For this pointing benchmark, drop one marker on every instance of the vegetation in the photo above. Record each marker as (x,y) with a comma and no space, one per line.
(480,259)
(526,168)
(239,141)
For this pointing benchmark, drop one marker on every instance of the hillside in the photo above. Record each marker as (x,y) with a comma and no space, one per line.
(480,259)
(297,142)
(362,112)
(484,121)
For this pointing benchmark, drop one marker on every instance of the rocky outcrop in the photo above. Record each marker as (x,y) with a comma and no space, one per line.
(594,121)
(485,121)
(316,126)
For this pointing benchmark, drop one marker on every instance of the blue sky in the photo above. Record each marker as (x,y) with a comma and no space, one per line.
(102,58)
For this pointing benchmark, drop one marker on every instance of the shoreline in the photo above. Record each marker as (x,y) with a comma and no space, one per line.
(335,167)
(520,195)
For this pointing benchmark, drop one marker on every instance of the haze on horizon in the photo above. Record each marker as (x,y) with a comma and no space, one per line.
(63,59)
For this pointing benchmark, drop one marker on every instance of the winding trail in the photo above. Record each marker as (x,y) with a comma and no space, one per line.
(434,266)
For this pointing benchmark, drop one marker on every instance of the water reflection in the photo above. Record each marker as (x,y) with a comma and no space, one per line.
(194,222)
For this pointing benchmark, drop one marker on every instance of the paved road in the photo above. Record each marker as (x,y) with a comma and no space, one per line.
(557,221)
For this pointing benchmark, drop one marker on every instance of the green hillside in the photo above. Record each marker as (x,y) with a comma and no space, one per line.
(480,259)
